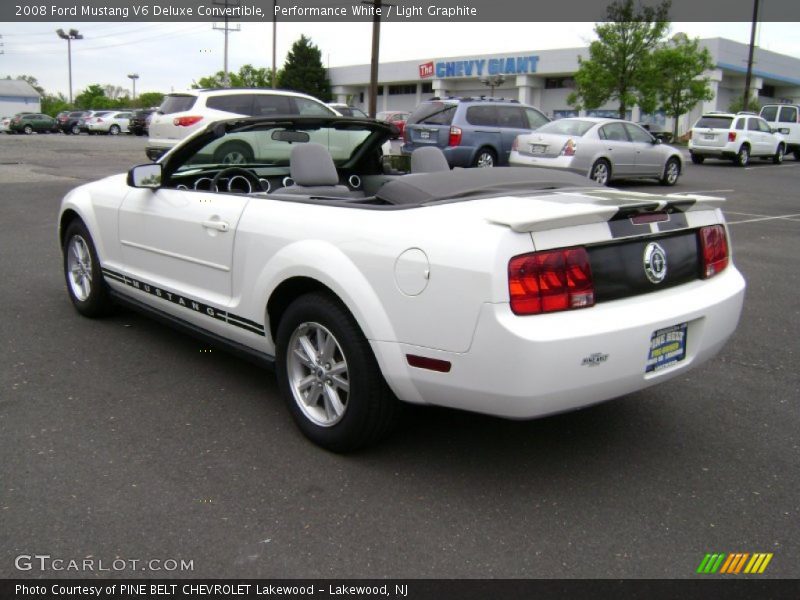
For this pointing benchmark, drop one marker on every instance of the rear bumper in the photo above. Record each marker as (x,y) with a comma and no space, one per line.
(526,367)
(726,151)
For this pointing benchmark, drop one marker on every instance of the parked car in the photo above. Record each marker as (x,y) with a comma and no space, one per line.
(397,118)
(602,149)
(32,122)
(71,122)
(90,116)
(472,132)
(183,113)
(737,137)
(513,292)
(139,121)
(348,111)
(110,123)
(786,119)
(4,123)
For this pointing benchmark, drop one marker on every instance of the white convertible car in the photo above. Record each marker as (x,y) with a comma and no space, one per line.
(515,292)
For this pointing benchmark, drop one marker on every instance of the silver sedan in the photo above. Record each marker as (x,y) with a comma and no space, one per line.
(602,149)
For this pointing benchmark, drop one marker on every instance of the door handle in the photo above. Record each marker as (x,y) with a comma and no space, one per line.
(218,225)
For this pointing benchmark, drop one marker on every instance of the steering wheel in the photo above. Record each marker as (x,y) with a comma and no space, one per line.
(231,172)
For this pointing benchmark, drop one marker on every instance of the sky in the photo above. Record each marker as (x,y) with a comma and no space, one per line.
(170,56)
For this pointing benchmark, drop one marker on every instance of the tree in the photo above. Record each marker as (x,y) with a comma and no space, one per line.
(94,94)
(148,99)
(52,105)
(303,71)
(248,77)
(679,65)
(619,64)
(737,104)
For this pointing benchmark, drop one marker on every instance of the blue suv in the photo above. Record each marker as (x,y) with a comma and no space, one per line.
(472,132)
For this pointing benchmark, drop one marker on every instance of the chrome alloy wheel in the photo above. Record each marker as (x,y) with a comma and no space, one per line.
(79,265)
(234,157)
(317,373)
(600,173)
(673,172)
(485,160)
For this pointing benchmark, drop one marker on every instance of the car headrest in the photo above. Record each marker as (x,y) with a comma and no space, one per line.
(429,159)
(311,164)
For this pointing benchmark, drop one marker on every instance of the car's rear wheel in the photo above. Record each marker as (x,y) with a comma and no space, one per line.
(743,156)
(485,158)
(329,377)
(797,154)
(27,129)
(672,171)
(697,159)
(114,130)
(234,153)
(777,158)
(601,172)
(85,283)
(75,130)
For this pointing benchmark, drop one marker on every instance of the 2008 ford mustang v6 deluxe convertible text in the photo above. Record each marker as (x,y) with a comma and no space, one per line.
(516,292)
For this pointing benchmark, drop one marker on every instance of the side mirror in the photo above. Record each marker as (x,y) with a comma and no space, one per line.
(145,176)
(656,141)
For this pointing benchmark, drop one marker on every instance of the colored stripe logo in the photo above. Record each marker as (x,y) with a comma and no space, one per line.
(735,563)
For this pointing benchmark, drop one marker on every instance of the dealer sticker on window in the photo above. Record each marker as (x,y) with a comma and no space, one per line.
(667,347)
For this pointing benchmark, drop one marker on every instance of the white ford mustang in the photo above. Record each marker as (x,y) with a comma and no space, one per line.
(515,292)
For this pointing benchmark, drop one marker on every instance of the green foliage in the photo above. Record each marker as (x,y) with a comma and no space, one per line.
(679,66)
(148,99)
(89,96)
(248,76)
(619,66)
(52,105)
(737,104)
(303,71)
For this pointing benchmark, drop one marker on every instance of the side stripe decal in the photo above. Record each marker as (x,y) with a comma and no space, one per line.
(206,309)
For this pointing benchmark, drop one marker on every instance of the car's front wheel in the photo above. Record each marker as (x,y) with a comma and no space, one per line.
(743,156)
(485,158)
(672,171)
(85,284)
(75,130)
(27,129)
(329,377)
(601,172)
(114,130)
(777,158)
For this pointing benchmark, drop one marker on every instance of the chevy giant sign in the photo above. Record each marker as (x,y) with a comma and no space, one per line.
(478,67)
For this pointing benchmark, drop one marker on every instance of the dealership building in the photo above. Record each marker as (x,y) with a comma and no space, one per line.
(545,78)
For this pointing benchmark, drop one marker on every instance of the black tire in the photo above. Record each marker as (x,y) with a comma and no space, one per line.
(75,129)
(777,158)
(234,153)
(485,158)
(743,156)
(672,172)
(796,154)
(601,172)
(114,130)
(27,130)
(369,409)
(697,159)
(93,301)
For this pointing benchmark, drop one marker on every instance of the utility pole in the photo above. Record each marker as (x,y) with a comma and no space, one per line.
(274,43)
(746,103)
(133,77)
(226,28)
(71,35)
(376,48)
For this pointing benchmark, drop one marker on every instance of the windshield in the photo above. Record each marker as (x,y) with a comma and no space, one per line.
(715,122)
(573,127)
(176,103)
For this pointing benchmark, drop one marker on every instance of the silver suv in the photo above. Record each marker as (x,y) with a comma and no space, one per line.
(183,113)
(736,137)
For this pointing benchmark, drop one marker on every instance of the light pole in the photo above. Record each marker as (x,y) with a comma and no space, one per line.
(493,82)
(133,77)
(71,35)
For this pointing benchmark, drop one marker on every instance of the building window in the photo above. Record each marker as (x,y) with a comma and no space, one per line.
(427,87)
(767,90)
(398,90)
(552,83)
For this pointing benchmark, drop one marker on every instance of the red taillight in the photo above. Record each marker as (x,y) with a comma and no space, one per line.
(186,121)
(731,136)
(455,136)
(550,281)
(569,148)
(713,250)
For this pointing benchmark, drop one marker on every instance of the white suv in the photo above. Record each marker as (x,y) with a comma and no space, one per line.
(736,137)
(183,113)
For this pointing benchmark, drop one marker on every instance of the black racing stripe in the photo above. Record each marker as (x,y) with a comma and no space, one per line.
(621,228)
(188,303)
(677,220)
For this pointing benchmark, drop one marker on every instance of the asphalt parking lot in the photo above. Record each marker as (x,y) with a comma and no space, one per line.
(121,439)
